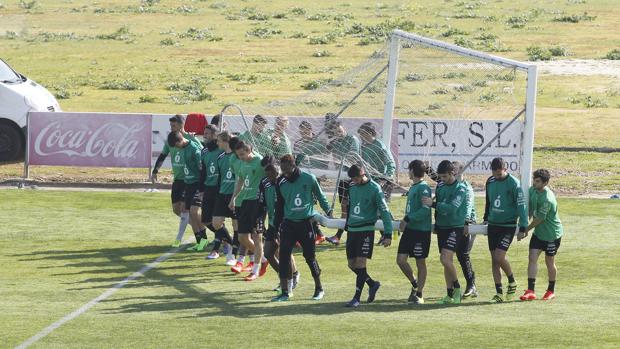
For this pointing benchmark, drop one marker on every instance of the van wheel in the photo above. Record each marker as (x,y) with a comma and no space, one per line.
(11,144)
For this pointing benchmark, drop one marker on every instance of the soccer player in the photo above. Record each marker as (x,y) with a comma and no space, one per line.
(505,204)
(267,205)
(190,154)
(378,157)
(308,147)
(547,235)
(416,227)
(365,200)
(250,173)
(296,191)
(235,163)
(178,184)
(451,210)
(257,136)
(341,146)
(281,144)
(226,185)
(464,249)
(210,179)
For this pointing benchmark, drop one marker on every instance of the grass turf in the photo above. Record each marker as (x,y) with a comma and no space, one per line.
(59,250)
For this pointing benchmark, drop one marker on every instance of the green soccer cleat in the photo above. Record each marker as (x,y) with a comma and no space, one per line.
(281,298)
(199,247)
(457,296)
(176,243)
(446,300)
(498,298)
(511,292)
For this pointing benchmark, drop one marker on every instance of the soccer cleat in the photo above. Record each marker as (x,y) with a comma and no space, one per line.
(278,289)
(319,239)
(333,240)
(549,295)
(412,295)
(263,268)
(193,248)
(176,243)
(498,298)
(512,291)
(281,298)
(200,246)
(251,277)
(318,295)
(470,291)
(237,268)
(457,296)
(529,295)
(353,303)
(230,261)
(248,267)
(372,292)
(296,278)
(213,255)
(446,300)
(417,300)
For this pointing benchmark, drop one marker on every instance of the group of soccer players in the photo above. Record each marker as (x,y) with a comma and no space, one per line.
(255,180)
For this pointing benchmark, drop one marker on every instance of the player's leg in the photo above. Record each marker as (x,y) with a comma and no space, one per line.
(405,249)
(193,202)
(450,239)
(178,205)
(502,259)
(306,237)
(552,269)
(463,256)
(532,270)
(287,242)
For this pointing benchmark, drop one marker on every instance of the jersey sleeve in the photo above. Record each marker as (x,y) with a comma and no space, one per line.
(487,202)
(166,149)
(420,210)
(279,209)
(386,216)
(543,208)
(318,194)
(521,207)
(390,165)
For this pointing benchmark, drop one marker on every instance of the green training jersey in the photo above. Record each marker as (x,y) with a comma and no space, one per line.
(451,205)
(417,215)
(175,158)
(340,147)
(306,150)
(267,198)
(191,156)
(209,163)
(281,149)
(296,197)
(377,155)
(366,203)
(250,172)
(544,206)
(505,202)
(261,143)
(226,176)
(471,204)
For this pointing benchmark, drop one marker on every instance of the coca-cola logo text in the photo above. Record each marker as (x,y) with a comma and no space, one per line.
(112,139)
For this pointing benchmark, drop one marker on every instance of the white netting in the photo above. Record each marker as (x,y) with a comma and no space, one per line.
(447,106)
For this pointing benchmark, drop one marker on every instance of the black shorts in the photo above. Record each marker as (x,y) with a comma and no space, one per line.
(208,204)
(450,238)
(415,243)
(192,196)
(272,234)
(360,244)
(176,195)
(343,190)
(550,247)
(500,237)
(247,215)
(221,206)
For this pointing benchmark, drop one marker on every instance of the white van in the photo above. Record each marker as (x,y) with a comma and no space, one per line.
(18,96)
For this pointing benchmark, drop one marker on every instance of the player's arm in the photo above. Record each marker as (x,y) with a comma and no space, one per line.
(160,161)
(522,208)
(386,217)
(317,192)
(487,203)
(451,207)
(390,164)
(419,210)
(238,185)
(431,173)
(279,207)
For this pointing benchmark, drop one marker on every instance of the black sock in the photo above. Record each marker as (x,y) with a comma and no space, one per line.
(511,278)
(531,283)
(551,286)
(211,227)
(369,281)
(456,284)
(339,233)
(450,292)
(200,235)
(359,283)
(498,288)
(414,283)
(315,270)
(216,245)
(419,294)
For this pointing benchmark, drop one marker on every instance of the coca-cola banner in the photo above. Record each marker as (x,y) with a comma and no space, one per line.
(89,139)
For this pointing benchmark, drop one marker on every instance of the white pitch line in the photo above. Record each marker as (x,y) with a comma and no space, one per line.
(49,329)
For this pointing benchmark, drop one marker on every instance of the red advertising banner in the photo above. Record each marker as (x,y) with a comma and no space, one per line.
(89,139)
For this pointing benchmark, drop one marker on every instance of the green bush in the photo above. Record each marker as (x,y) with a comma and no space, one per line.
(537,53)
(613,54)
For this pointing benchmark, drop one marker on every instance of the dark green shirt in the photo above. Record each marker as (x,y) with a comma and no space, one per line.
(296,197)
(366,203)
(191,156)
(377,155)
(505,202)
(250,172)
(341,147)
(209,163)
(226,176)
(451,205)
(544,206)
(417,215)
(175,158)
(308,150)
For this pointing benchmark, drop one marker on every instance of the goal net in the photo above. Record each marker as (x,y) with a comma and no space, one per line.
(414,98)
